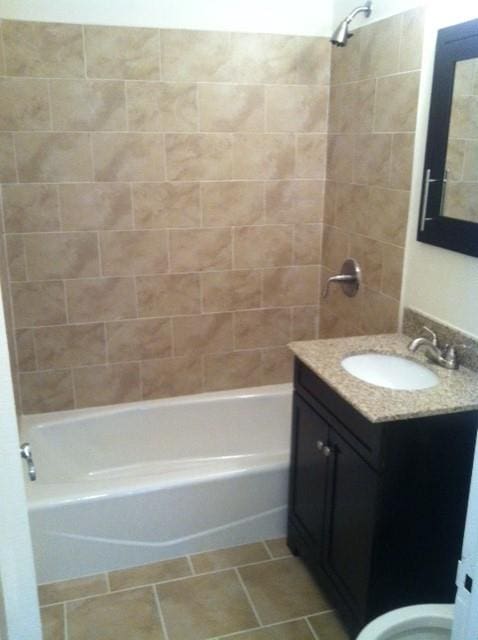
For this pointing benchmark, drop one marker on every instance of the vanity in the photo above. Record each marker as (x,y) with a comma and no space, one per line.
(379,478)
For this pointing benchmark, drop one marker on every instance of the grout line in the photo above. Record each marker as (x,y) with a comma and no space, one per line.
(264,542)
(83,43)
(107,579)
(248,596)
(191,566)
(65,622)
(160,613)
(311,629)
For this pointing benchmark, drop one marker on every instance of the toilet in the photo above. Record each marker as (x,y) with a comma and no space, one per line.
(418,622)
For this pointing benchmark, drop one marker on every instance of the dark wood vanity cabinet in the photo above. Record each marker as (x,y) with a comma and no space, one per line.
(376,510)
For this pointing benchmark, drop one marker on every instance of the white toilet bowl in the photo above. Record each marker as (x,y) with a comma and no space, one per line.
(418,622)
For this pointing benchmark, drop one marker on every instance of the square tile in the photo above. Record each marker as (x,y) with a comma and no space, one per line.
(328,627)
(205,606)
(52,622)
(295,630)
(149,573)
(231,557)
(70,589)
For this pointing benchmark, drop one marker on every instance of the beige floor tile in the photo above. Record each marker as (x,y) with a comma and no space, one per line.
(232,557)
(128,615)
(205,606)
(278,547)
(149,573)
(328,627)
(52,622)
(296,630)
(282,589)
(71,589)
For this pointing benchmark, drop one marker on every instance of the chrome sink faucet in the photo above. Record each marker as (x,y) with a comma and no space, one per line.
(444,356)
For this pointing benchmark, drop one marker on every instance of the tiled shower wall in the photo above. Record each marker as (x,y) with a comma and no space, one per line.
(373,102)
(162,205)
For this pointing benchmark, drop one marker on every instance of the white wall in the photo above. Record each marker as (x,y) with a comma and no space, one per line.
(440,283)
(302,17)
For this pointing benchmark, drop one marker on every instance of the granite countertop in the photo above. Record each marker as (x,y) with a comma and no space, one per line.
(457,390)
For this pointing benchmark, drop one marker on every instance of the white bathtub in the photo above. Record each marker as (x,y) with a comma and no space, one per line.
(140,482)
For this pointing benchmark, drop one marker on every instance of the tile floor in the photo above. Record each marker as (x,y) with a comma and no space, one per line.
(251,592)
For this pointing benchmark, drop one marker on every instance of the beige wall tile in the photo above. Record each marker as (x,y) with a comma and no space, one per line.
(380,47)
(88,105)
(336,245)
(95,206)
(297,108)
(277,365)
(46,391)
(229,290)
(43,49)
(133,252)
(259,156)
(96,299)
(220,606)
(266,246)
(231,557)
(340,158)
(128,157)
(167,204)
(72,589)
(207,333)
(307,243)
(109,384)
(149,573)
(292,286)
(198,156)
(53,157)
(116,615)
(379,313)
(411,39)
(369,255)
(232,203)
(396,102)
(30,207)
(122,52)
(38,303)
(392,270)
(313,60)
(26,359)
(336,326)
(200,249)
(16,257)
(24,104)
(311,155)
(247,56)
(351,207)
(225,107)
(8,172)
(329,627)
(278,547)
(232,370)
(168,295)
(387,215)
(53,623)
(170,377)
(139,339)
(69,345)
(294,201)
(304,323)
(261,328)
(61,255)
(402,159)
(345,61)
(280,58)
(372,159)
(162,106)
(194,56)
(330,197)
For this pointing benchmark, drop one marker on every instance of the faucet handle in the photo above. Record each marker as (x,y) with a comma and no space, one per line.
(450,356)
(432,334)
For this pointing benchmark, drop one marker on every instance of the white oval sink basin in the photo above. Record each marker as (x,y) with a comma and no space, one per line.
(391,372)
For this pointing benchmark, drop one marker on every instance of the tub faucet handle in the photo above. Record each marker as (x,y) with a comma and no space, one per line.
(26,453)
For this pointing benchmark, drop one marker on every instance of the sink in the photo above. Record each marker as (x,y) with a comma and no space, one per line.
(391,372)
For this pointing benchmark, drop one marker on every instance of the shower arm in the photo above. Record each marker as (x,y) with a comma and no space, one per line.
(366,8)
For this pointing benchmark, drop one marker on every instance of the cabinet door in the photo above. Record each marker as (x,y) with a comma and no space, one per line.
(351,503)
(309,468)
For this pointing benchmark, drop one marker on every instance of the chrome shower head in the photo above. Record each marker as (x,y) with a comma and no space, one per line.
(341,34)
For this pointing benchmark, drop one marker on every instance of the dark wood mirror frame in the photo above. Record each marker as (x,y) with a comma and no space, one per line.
(459,42)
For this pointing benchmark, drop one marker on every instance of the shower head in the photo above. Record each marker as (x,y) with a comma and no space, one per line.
(341,34)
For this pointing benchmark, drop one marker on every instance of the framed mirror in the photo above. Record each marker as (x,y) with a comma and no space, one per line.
(449,201)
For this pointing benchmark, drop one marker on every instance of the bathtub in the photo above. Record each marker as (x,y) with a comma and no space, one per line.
(140,482)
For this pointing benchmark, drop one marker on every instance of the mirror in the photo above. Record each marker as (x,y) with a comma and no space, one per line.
(449,202)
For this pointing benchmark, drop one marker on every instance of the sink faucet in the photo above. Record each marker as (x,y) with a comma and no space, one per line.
(443,356)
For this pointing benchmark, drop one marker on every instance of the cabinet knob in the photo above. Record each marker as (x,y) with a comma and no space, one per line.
(326,451)
(320,445)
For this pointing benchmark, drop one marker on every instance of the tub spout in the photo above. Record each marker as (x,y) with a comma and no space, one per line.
(26,453)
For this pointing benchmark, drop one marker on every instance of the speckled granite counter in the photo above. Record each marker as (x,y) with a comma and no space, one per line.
(457,390)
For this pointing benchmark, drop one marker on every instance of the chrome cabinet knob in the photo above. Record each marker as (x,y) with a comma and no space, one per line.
(320,445)
(327,451)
